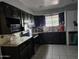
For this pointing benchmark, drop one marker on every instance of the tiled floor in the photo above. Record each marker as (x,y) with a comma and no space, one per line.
(56,52)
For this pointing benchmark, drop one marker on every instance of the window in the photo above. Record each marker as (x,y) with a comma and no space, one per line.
(52,20)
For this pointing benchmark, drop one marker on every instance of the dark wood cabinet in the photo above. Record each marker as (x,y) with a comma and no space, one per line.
(11,13)
(11,52)
(73,38)
(8,15)
(27,51)
(39,21)
(36,43)
(53,38)
(23,51)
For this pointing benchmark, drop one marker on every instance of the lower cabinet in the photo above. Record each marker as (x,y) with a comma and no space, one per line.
(36,42)
(10,52)
(28,48)
(23,51)
(73,38)
(52,38)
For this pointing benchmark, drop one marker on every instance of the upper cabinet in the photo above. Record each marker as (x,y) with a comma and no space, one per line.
(13,19)
(10,11)
(39,21)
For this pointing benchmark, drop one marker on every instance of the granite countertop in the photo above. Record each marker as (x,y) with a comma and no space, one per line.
(17,42)
(42,32)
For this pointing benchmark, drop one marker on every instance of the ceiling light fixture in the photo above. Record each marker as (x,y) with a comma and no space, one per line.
(55,2)
(51,2)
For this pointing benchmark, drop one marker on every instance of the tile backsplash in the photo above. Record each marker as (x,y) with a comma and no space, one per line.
(45,29)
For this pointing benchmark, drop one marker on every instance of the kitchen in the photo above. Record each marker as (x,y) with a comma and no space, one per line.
(22,32)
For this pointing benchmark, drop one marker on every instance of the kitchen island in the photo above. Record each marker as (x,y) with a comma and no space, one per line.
(22,48)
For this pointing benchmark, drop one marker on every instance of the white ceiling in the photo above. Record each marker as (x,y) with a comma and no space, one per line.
(38,5)
(35,6)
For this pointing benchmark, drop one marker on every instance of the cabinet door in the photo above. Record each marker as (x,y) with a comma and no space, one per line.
(4,29)
(36,44)
(11,52)
(24,53)
(73,38)
(36,40)
(39,21)
(41,38)
(29,49)
(26,50)
(10,11)
(16,13)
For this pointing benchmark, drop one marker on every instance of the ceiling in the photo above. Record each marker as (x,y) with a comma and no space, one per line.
(36,6)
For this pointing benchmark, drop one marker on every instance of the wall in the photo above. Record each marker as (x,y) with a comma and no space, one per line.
(71,15)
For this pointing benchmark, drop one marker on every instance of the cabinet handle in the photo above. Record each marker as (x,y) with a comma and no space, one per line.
(35,36)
